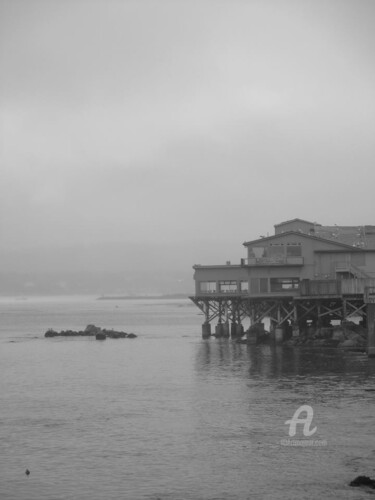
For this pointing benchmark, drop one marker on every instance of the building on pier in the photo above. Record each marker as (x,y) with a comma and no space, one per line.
(304,273)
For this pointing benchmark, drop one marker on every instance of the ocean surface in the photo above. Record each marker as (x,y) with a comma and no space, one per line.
(169,416)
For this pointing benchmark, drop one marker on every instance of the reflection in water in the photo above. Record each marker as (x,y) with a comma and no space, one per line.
(250,392)
(226,358)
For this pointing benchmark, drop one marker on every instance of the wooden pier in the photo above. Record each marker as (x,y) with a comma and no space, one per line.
(305,274)
(319,303)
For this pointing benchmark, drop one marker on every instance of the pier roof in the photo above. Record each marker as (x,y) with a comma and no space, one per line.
(304,235)
(295,220)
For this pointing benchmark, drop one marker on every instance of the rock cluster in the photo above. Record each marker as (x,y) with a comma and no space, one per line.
(91,330)
(346,335)
(363,481)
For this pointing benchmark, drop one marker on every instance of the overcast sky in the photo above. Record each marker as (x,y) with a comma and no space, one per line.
(179,120)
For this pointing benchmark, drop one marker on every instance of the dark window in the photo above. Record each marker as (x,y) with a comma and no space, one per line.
(294,251)
(283,284)
(275,251)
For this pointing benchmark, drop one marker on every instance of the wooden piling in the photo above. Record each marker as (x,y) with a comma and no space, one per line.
(219,330)
(206,330)
(371,330)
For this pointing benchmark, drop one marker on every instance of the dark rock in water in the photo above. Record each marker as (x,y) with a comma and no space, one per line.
(91,330)
(348,336)
(51,333)
(112,334)
(363,481)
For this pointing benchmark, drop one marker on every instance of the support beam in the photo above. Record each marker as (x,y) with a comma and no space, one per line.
(371,330)
(231,310)
(358,309)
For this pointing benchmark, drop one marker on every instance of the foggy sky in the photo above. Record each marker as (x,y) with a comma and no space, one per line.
(172,121)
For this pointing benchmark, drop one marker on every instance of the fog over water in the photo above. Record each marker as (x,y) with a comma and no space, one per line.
(178,130)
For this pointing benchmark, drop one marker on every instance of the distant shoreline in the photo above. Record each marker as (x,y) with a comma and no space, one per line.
(138,297)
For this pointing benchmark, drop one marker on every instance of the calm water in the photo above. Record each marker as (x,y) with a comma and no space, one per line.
(168,416)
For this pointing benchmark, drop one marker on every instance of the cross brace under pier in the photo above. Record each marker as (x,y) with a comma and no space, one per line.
(294,311)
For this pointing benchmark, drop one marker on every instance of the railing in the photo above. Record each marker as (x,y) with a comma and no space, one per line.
(320,287)
(347,267)
(356,286)
(273,261)
(337,288)
(223,292)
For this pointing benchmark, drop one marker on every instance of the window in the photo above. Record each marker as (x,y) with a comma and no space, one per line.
(244,286)
(275,251)
(227,286)
(294,250)
(257,252)
(208,286)
(284,284)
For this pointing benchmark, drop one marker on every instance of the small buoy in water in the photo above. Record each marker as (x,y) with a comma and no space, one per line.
(27,472)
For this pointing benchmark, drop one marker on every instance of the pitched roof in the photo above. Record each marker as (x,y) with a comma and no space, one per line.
(303,235)
(295,220)
(360,236)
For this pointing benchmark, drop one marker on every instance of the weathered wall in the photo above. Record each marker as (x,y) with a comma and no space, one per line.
(316,264)
(327,262)
(219,273)
(309,246)
(369,267)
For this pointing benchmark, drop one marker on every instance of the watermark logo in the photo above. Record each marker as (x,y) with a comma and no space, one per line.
(305,422)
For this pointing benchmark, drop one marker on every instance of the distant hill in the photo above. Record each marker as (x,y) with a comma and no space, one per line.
(110,268)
